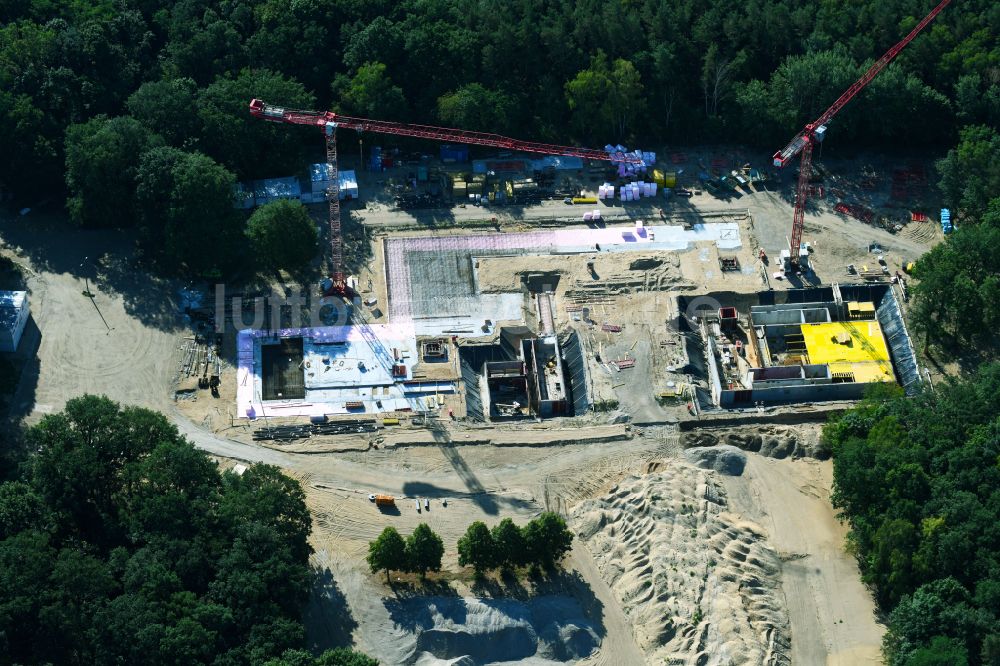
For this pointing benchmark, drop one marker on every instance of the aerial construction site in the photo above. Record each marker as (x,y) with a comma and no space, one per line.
(644,341)
(532,327)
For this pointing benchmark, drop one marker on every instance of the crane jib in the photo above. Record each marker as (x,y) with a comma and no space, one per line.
(326,119)
(802,143)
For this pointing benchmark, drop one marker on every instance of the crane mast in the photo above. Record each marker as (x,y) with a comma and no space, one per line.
(329,122)
(813,133)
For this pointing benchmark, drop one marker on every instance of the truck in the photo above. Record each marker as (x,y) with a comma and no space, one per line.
(385,501)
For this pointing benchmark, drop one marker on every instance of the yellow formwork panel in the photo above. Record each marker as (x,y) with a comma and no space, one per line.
(866,371)
(856,347)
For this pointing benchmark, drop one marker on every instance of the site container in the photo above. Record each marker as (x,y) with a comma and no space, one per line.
(451,153)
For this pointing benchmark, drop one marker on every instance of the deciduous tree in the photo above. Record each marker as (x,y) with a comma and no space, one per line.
(476,548)
(370,93)
(388,552)
(424,550)
(282,235)
(548,539)
(508,539)
(102,164)
(186,214)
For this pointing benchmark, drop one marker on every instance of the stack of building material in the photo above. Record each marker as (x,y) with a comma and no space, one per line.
(319,175)
(635,190)
(348,185)
(606,191)
(625,160)
(946,225)
(14,314)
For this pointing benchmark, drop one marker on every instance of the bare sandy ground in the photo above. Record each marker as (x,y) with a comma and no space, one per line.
(122,342)
(698,583)
(832,615)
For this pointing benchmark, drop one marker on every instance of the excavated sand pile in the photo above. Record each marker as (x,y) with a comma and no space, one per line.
(545,630)
(767,440)
(699,585)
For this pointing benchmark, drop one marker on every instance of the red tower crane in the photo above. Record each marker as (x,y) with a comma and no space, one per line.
(329,122)
(813,132)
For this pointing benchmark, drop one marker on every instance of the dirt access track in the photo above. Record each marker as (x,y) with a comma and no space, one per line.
(123,342)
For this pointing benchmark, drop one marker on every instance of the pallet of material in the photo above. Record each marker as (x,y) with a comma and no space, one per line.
(611,328)
(857,212)
(624,363)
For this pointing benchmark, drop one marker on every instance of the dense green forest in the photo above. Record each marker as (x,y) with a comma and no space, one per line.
(73,73)
(919,480)
(120,543)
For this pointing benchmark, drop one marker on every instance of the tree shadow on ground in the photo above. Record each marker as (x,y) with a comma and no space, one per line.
(329,611)
(21,400)
(572,583)
(413,608)
(502,584)
(104,257)
(409,607)
(487,501)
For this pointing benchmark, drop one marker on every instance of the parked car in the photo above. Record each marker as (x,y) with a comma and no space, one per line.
(681,192)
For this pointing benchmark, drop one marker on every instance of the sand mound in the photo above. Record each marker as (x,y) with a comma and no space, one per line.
(770,441)
(724,459)
(457,631)
(698,584)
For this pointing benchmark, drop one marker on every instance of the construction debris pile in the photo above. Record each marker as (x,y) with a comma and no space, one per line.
(289,433)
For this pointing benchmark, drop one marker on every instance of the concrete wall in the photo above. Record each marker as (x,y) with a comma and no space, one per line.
(800,393)
(577,377)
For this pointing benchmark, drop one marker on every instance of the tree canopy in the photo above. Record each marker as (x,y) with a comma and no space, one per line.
(282,234)
(956,306)
(919,481)
(388,552)
(424,550)
(121,543)
(653,72)
(185,211)
(102,163)
(476,548)
(970,173)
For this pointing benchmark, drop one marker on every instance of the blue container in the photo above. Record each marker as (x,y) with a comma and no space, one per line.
(946,225)
(455,153)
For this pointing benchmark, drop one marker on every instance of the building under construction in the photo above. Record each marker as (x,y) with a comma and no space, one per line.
(812,345)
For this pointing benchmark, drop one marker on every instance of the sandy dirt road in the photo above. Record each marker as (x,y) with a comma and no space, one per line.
(832,614)
(619,646)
